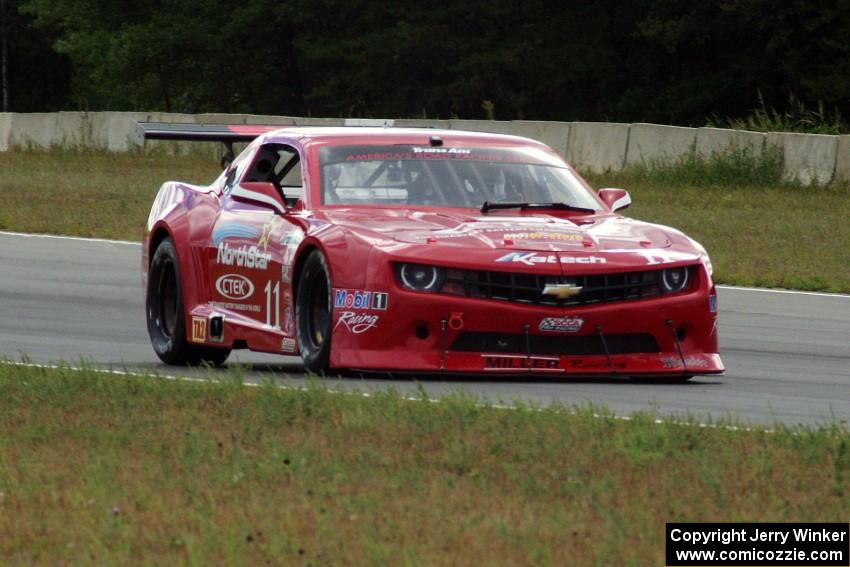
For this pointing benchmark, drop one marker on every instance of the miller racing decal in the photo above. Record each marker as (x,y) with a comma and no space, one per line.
(516,362)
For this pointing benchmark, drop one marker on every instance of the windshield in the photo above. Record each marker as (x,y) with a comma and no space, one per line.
(447,177)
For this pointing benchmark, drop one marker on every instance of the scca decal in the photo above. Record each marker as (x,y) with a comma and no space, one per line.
(358,299)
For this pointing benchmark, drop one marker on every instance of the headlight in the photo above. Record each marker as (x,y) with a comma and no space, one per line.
(674,279)
(420,278)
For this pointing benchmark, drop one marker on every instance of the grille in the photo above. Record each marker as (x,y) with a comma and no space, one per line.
(528,288)
(631,343)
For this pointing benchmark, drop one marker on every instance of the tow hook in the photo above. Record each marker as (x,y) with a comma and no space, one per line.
(456,321)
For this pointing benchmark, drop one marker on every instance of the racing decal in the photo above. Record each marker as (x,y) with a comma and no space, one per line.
(234,230)
(582,364)
(574,237)
(561,324)
(517,362)
(290,242)
(263,241)
(654,257)
(690,362)
(358,299)
(234,287)
(199,329)
(243,257)
(444,151)
(287,344)
(357,322)
(532,258)
(236,306)
(288,321)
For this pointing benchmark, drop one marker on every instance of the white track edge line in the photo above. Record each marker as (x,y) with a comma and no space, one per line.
(785,291)
(657,421)
(127,242)
(61,237)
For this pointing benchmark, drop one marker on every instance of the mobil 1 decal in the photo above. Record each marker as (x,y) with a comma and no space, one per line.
(359,310)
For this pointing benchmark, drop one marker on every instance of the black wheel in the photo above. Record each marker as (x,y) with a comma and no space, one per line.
(313,313)
(165,314)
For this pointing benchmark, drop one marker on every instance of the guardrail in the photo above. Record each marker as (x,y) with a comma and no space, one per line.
(589,146)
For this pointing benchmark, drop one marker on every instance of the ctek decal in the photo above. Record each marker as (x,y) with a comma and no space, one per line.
(234,230)
(507,362)
(357,322)
(532,258)
(358,299)
(561,324)
(287,344)
(199,329)
(243,257)
(234,286)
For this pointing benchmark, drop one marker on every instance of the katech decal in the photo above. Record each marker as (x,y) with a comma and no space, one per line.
(243,257)
(497,362)
(359,299)
(561,324)
(234,286)
(357,322)
(199,329)
(532,258)
(234,230)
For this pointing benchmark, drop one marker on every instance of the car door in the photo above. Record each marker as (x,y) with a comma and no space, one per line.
(251,246)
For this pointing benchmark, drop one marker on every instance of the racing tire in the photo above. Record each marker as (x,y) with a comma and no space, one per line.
(313,313)
(166,315)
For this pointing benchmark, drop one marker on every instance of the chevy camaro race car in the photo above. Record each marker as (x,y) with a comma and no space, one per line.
(423,251)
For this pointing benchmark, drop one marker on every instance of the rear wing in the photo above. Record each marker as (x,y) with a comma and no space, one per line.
(227,134)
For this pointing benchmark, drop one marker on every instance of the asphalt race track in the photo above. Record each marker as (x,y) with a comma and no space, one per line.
(787,353)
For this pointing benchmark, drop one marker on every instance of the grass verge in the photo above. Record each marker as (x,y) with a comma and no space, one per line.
(99,469)
(98,194)
(758,230)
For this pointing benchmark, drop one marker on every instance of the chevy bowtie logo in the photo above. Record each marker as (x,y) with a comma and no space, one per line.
(562,290)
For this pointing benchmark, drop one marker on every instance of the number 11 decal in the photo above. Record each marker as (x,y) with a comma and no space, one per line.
(276,291)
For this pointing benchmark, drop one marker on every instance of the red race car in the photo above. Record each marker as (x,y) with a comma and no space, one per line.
(423,251)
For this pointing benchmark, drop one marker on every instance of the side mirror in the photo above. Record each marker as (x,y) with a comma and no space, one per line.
(262,193)
(616,199)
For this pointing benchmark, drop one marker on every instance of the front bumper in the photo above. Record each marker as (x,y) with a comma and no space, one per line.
(420,332)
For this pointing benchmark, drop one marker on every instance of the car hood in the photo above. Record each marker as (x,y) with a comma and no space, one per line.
(529,232)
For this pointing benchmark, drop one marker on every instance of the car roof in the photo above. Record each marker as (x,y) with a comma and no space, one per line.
(371,135)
